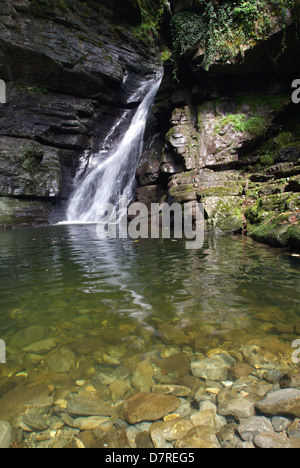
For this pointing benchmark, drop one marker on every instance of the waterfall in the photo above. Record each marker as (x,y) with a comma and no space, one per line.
(109,179)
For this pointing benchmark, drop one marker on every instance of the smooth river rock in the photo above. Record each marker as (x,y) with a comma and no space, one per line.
(148,407)
(249,428)
(23,399)
(284,402)
(5,434)
(198,438)
(176,390)
(212,369)
(175,429)
(272,440)
(89,406)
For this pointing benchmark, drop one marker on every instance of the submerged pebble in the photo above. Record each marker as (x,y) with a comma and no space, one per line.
(175,399)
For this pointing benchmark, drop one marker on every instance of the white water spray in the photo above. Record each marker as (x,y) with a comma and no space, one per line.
(115,176)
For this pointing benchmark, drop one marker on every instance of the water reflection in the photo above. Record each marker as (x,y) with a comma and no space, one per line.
(50,275)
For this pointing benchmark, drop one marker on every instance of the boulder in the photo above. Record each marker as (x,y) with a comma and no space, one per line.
(148,407)
(209,368)
(198,438)
(32,398)
(285,402)
(249,428)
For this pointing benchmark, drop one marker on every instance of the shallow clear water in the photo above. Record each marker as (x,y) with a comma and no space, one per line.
(139,296)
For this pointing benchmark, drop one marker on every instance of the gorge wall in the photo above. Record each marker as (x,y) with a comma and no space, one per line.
(64,64)
(231,133)
(224,130)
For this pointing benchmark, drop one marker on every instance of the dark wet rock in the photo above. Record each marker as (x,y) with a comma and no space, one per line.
(71,58)
(22,213)
(55,120)
(148,171)
(150,194)
(148,407)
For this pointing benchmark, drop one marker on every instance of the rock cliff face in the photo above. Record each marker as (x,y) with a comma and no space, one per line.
(225,132)
(64,65)
(232,141)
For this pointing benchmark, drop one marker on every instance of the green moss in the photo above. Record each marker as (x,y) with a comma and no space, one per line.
(152,14)
(267,159)
(32,89)
(224,29)
(231,189)
(254,101)
(255,125)
(279,233)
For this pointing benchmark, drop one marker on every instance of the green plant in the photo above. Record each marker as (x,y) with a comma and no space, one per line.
(223,30)
(267,159)
(255,125)
(151,13)
(32,89)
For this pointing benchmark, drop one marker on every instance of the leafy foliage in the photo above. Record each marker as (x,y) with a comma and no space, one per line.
(223,30)
(151,13)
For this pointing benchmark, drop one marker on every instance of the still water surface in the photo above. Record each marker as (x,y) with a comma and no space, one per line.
(74,285)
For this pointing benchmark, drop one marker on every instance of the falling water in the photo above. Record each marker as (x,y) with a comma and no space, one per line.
(113,177)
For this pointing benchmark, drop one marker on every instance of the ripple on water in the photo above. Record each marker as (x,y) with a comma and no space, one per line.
(107,304)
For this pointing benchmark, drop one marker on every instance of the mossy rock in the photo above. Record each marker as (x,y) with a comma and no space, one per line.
(224,214)
(21,213)
(183,193)
(268,207)
(220,191)
(279,232)
(275,220)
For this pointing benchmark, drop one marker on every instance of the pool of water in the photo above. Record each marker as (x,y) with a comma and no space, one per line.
(113,302)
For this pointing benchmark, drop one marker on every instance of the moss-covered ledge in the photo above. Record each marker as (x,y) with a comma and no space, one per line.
(275,220)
